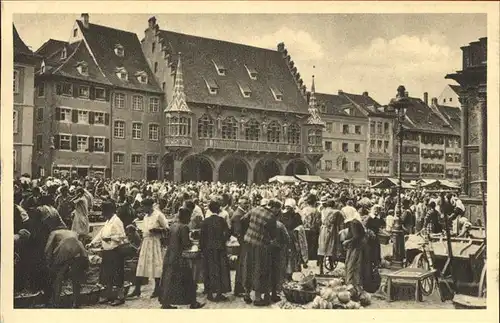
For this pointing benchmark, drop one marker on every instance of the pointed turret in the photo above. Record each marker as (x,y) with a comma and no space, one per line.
(314,116)
(178,102)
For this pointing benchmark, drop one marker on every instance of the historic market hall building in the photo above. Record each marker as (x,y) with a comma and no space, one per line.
(234,112)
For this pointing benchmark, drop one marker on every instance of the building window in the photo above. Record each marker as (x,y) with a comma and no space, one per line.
(328,165)
(372,146)
(205,127)
(119,50)
(345,165)
(75,32)
(245,90)
(153,46)
(379,145)
(83,117)
(386,128)
(372,127)
(357,130)
(119,129)
(252,130)
(154,104)
(379,127)
(64,53)
(357,148)
(252,73)
(153,132)
(143,78)
(119,101)
(212,86)
(82,143)
(67,89)
(357,166)
(152,160)
(278,95)
(41,90)
(39,114)
(118,158)
(345,147)
(314,137)
(184,126)
(39,142)
(229,128)
(99,144)
(65,115)
(137,103)
(329,127)
(15,119)
(345,129)
(64,142)
(156,67)
(294,134)
(221,70)
(274,132)
(163,85)
(83,69)
(100,93)
(99,118)
(386,146)
(136,159)
(328,145)
(136,130)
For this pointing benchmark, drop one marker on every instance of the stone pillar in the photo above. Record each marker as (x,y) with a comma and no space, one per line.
(250,175)
(215,175)
(177,176)
(483,133)
(464,140)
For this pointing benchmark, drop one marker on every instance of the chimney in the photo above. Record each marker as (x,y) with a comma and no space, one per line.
(365,93)
(426,98)
(434,102)
(152,22)
(281,47)
(340,92)
(85,20)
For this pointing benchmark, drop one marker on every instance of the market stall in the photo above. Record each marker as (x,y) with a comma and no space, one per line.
(284,179)
(389,183)
(311,179)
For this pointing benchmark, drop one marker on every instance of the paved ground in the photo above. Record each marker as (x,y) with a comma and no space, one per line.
(432,301)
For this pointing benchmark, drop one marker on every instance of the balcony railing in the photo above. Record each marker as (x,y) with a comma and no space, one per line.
(178,141)
(245,145)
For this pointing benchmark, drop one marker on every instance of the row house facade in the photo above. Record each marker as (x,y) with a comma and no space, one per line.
(234,112)
(431,142)
(344,139)
(23,110)
(98,106)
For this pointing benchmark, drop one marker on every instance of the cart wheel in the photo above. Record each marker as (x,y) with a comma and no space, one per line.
(330,263)
(482,282)
(427,285)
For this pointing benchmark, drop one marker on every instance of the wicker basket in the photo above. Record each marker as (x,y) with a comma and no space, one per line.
(27,300)
(299,296)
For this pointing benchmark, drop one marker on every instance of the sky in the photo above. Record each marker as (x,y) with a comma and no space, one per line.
(350,52)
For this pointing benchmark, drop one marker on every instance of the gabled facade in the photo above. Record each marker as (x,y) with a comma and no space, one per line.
(98,106)
(450,96)
(344,139)
(23,87)
(234,112)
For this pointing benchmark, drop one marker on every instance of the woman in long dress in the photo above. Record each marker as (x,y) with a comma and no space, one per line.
(177,285)
(329,241)
(291,220)
(214,235)
(150,261)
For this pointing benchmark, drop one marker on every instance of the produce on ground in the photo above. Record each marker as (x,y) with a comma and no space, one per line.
(336,295)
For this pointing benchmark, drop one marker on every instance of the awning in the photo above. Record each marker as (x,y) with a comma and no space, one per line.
(283,179)
(449,184)
(311,179)
(426,181)
(392,183)
(360,181)
(338,180)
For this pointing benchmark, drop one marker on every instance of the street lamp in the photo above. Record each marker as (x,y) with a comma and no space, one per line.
(400,104)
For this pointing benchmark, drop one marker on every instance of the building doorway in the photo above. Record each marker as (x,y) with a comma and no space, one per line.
(196,168)
(266,169)
(152,173)
(297,167)
(233,169)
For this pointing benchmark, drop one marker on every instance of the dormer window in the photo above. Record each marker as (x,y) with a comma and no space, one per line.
(42,67)
(142,77)
(64,53)
(245,90)
(252,73)
(121,73)
(119,51)
(82,68)
(278,96)
(212,86)
(221,70)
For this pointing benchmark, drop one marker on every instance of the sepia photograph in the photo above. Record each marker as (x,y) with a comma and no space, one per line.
(249,161)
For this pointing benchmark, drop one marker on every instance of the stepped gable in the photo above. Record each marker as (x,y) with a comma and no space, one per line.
(422,118)
(20,48)
(200,56)
(102,41)
(333,104)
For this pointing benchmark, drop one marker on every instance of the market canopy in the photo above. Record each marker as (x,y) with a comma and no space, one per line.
(283,179)
(311,179)
(440,184)
(338,180)
(392,183)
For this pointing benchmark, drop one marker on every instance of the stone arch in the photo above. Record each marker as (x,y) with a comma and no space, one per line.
(198,168)
(298,167)
(234,169)
(265,169)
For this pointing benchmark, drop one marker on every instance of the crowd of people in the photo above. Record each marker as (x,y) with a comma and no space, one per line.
(279,228)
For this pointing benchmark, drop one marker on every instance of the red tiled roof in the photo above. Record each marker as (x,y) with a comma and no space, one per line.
(19,46)
(102,41)
(452,114)
(423,118)
(50,47)
(368,104)
(199,55)
(333,104)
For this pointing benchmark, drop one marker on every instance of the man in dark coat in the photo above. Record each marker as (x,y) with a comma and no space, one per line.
(239,226)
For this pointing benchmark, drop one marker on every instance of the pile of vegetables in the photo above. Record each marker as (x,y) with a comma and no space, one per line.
(336,295)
